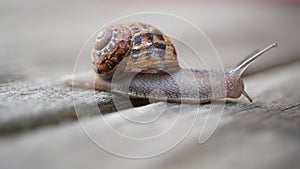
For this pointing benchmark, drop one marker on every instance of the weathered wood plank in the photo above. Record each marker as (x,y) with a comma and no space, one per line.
(262,134)
(36,103)
(31,104)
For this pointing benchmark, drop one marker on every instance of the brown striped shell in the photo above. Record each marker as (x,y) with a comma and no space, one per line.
(137,47)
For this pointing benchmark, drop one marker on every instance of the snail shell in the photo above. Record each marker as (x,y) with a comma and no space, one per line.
(144,51)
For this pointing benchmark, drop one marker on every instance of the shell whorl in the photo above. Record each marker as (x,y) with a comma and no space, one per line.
(136,47)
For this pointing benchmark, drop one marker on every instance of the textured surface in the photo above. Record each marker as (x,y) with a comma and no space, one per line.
(262,134)
(184,86)
(30,104)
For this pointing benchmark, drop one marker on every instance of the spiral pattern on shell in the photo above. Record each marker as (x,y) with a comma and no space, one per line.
(137,47)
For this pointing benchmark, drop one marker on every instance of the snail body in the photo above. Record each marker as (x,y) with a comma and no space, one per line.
(139,61)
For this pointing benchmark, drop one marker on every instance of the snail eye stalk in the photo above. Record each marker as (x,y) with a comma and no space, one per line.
(242,66)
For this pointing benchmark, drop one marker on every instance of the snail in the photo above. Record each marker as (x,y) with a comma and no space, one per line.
(144,56)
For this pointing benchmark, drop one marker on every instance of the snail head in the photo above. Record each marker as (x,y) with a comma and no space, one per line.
(234,82)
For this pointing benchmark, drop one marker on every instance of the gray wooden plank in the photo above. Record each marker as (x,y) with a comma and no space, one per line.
(31,104)
(262,134)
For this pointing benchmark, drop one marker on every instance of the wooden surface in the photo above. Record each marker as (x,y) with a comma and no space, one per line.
(30,104)
(41,127)
(262,134)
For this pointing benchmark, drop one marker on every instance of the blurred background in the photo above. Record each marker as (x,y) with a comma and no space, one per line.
(41,39)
